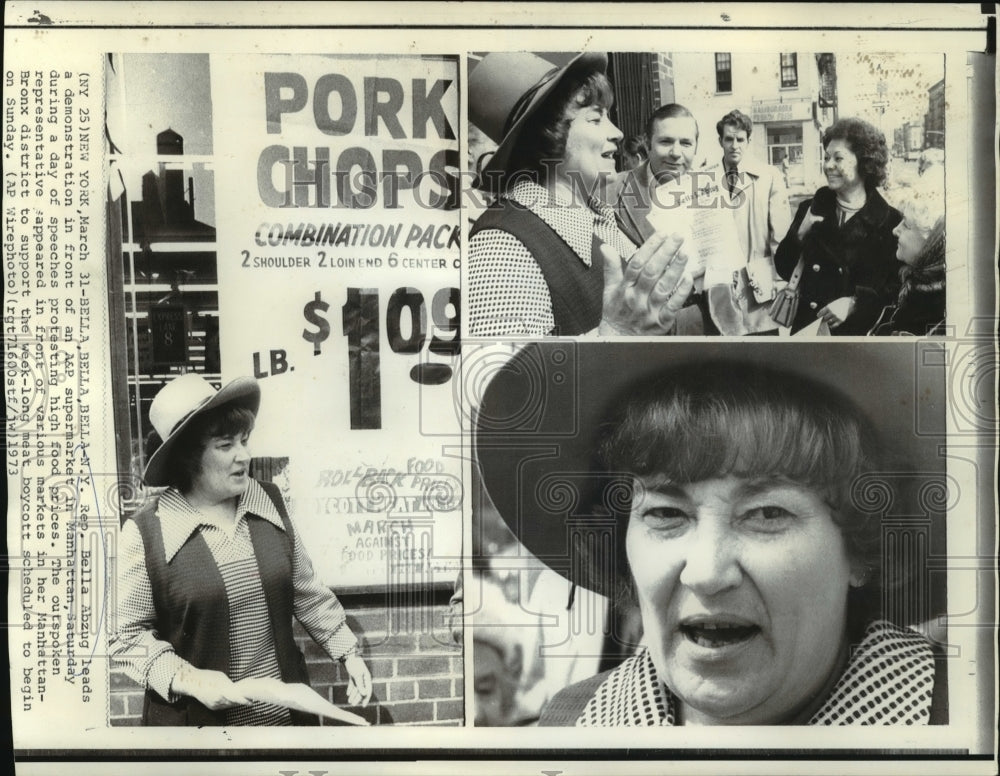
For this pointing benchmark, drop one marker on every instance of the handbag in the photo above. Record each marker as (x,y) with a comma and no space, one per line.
(786,303)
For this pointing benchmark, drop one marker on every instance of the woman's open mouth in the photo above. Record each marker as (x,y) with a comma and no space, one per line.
(715,635)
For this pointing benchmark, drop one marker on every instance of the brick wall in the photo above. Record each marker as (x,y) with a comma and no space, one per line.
(416,667)
(663,79)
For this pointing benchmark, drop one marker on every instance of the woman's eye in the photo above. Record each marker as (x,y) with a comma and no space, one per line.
(769,516)
(664,518)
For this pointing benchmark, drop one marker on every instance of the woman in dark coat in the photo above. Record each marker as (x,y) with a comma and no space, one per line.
(845,236)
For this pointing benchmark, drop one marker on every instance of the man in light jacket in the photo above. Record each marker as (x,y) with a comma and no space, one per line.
(759,202)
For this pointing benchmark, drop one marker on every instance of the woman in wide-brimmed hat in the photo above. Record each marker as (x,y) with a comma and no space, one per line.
(548,256)
(737,500)
(212,572)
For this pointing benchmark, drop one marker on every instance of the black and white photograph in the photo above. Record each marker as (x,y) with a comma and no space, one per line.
(684,193)
(761,529)
(239,523)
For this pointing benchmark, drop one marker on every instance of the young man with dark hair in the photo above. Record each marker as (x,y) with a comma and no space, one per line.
(759,202)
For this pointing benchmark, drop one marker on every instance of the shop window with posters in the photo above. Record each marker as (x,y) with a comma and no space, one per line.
(784,142)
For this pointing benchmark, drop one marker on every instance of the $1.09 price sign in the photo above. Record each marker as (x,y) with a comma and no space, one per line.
(406,328)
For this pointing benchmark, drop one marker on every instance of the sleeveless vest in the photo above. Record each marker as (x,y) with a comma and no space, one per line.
(192,611)
(576,290)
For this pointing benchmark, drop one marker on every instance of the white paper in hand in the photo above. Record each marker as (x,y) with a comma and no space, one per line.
(694,206)
(300,697)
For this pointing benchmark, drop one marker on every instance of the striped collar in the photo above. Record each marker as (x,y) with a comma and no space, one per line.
(888,680)
(574,223)
(178,519)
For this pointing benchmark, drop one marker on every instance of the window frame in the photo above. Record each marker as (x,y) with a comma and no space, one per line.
(727,70)
(791,66)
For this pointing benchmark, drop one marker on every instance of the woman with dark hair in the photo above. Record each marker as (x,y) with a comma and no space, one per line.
(739,505)
(634,152)
(212,571)
(548,257)
(841,246)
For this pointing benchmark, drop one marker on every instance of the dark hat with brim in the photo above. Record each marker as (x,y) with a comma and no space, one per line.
(507,88)
(179,403)
(541,416)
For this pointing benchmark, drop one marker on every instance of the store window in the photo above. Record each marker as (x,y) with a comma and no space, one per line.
(723,73)
(789,70)
(162,218)
(784,141)
(784,151)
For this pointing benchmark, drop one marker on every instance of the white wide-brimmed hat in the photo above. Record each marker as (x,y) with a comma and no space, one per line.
(179,402)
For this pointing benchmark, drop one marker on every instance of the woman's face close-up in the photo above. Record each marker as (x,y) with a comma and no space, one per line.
(911,241)
(591,146)
(742,585)
(224,467)
(840,166)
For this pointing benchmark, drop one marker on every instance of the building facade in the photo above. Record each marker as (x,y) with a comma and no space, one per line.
(642,82)
(791,97)
(934,118)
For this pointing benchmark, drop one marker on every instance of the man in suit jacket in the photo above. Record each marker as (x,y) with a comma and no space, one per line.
(672,140)
(759,202)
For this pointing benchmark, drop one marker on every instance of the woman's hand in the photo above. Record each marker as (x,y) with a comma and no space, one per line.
(837,311)
(645,297)
(212,688)
(359,682)
(810,220)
